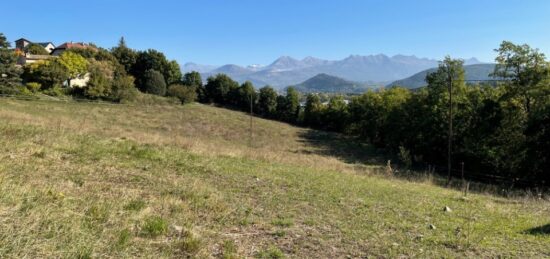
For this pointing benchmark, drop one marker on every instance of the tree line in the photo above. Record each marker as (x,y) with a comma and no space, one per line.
(500,128)
(118,74)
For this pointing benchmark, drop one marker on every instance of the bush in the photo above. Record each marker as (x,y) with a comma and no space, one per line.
(46,72)
(55,91)
(124,90)
(4,90)
(33,86)
(153,83)
(186,94)
(24,91)
(101,80)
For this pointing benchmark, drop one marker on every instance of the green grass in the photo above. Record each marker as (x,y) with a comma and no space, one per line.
(91,180)
(135,205)
(154,226)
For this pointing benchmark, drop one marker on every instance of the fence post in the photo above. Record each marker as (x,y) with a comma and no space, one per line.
(462,174)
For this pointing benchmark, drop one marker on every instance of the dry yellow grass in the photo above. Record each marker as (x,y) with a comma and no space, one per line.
(95,180)
(198,128)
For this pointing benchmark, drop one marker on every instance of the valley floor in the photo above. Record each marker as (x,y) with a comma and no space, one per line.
(100,180)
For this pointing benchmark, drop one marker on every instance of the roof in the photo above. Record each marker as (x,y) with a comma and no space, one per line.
(23,39)
(45,44)
(70,45)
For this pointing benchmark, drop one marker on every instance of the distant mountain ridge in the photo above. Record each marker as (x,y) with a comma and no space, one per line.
(471,72)
(287,70)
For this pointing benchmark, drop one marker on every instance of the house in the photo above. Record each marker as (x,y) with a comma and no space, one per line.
(48,46)
(22,43)
(54,52)
(70,45)
(26,58)
(79,82)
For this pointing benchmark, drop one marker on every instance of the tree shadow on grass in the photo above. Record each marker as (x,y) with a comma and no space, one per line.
(348,149)
(542,230)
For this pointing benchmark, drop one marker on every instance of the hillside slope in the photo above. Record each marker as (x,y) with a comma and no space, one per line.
(472,72)
(96,180)
(323,83)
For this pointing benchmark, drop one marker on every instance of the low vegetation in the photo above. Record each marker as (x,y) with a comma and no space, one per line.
(101,180)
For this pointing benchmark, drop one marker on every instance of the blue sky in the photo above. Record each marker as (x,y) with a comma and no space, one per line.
(258,31)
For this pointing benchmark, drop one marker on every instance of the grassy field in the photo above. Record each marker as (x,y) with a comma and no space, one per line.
(81,180)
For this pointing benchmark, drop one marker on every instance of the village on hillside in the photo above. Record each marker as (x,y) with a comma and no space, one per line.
(29,52)
(27,57)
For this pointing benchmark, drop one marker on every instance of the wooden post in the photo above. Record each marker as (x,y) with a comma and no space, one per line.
(462,174)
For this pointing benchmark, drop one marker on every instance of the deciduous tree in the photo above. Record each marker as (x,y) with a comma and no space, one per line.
(218,88)
(36,49)
(313,111)
(527,69)
(267,102)
(154,83)
(75,65)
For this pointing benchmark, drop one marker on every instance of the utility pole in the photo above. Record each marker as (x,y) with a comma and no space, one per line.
(251,115)
(450,73)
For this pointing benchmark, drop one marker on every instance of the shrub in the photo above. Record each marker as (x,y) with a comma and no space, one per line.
(153,83)
(33,86)
(124,90)
(46,72)
(5,90)
(55,91)
(24,90)
(186,94)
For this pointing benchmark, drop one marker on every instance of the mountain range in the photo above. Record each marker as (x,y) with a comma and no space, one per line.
(285,71)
